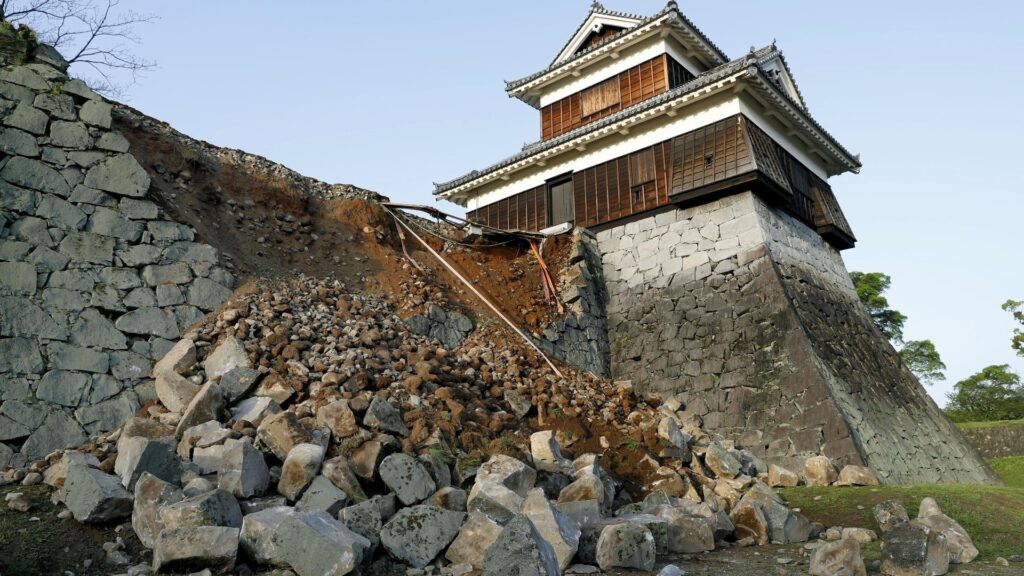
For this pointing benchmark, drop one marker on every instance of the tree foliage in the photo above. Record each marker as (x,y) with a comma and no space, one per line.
(93,35)
(995,393)
(1016,308)
(871,287)
(921,357)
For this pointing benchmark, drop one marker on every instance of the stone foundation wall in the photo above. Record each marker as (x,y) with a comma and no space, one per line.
(581,338)
(751,319)
(95,281)
(996,441)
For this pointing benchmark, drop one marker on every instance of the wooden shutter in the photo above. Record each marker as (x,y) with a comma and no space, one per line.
(641,167)
(562,205)
(597,98)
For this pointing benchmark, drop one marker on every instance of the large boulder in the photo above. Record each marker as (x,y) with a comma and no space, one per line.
(152,494)
(365,519)
(839,558)
(519,550)
(280,432)
(382,416)
(323,496)
(208,404)
(174,390)
(547,455)
(416,535)
(300,467)
(407,478)
(228,355)
(961,548)
(183,550)
(912,549)
(314,544)
(558,530)
(779,477)
(214,508)
(750,522)
(852,475)
(137,455)
(243,470)
(257,536)
(338,417)
(626,545)
(890,513)
(722,462)
(476,535)
(494,500)
(508,471)
(95,497)
(819,471)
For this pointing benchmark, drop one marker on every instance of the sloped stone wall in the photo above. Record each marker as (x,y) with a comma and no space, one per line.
(95,281)
(580,339)
(751,319)
(997,441)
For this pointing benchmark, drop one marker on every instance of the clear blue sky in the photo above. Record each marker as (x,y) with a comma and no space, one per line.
(394,95)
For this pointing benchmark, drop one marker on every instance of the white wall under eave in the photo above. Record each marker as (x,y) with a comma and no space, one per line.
(753,110)
(649,133)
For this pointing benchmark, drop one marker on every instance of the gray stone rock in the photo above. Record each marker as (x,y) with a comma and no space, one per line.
(93,496)
(300,467)
(107,222)
(322,495)
(59,300)
(282,431)
(208,404)
(227,356)
(558,530)
(254,409)
(20,317)
(839,558)
(174,390)
(381,415)
(190,252)
(96,113)
(20,356)
(207,294)
(519,550)
(258,529)
(213,508)
(313,544)
(140,255)
(140,298)
(911,549)
(106,297)
(27,118)
(961,548)
(67,357)
(88,247)
(18,199)
(137,209)
(243,470)
(149,321)
(63,387)
(126,365)
(237,382)
(108,414)
(29,173)
(85,194)
(18,278)
(187,315)
(113,141)
(58,430)
(494,500)
(338,471)
(60,213)
(416,535)
(475,536)
(151,494)
(55,157)
(626,545)
(70,135)
(407,478)
(364,519)
(18,143)
(32,230)
(71,279)
(169,231)
(182,550)
(508,471)
(60,106)
(181,357)
(103,386)
(76,87)
(13,251)
(140,455)
(24,76)
(14,93)
(120,174)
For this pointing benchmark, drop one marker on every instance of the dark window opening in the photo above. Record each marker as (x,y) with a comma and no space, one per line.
(709,161)
(563,207)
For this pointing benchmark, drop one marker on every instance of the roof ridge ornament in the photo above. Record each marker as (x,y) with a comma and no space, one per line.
(672,5)
(596,6)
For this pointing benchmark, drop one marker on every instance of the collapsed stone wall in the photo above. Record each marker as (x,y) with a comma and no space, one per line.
(750,319)
(96,282)
(580,338)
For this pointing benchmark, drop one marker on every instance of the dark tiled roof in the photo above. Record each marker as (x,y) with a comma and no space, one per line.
(594,9)
(671,7)
(754,58)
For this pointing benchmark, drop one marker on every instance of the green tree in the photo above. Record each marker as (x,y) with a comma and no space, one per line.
(995,393)
(921,357)
(871,287)
(1017,309)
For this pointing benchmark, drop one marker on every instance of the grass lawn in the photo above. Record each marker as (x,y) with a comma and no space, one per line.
(1010,469)
(993,424)
(992,515)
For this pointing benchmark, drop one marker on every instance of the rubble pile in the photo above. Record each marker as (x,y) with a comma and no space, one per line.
(303,426)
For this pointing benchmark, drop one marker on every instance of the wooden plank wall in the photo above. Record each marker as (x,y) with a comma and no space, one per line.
(597,38)
(624,186)
(710,154)
(524,211)
(637,84)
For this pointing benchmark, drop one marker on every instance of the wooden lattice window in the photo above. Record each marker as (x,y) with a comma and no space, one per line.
(597,98)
